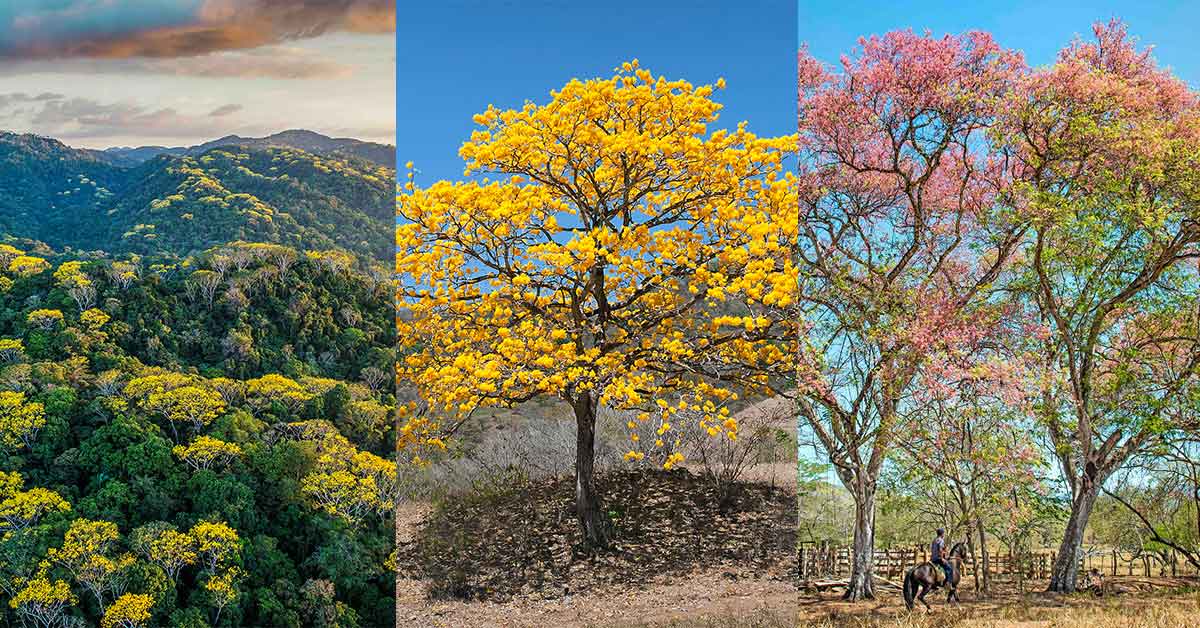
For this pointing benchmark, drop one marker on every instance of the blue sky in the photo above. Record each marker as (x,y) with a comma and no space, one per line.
(457,56)
(1038,28)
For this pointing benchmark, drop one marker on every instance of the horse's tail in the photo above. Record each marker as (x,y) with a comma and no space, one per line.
(910,589)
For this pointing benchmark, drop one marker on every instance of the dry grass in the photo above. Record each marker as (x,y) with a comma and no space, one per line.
(761,618)
(1154,611)
(1169,609)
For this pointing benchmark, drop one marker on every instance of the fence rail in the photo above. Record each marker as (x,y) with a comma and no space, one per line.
(825,561)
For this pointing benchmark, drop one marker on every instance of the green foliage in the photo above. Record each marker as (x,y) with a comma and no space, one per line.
(186,426)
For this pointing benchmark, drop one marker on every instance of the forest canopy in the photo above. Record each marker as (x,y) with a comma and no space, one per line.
(198,440)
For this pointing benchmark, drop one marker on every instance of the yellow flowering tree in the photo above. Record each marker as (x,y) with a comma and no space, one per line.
(333,261)
(206,452)
(345,482)
(166,547)
(623,256)
(11,350)
(94,319)
(192,405)
(260,392)
(222,591)
(351,484)
(88,554)
(218,549)
(27,265)
(123,273)
(131,610)
(216,544)
(44,319)
(43,602)
(20,420)
(8,253)
(20,509)
(71,277)
(139,388)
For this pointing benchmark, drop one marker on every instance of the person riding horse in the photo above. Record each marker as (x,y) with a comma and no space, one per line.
(936,555)
(944,569)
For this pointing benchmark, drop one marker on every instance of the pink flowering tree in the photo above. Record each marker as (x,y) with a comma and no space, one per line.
(1107,146)
(904,232)
(967,454)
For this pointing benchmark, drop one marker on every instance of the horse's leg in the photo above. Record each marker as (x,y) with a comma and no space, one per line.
(924,589)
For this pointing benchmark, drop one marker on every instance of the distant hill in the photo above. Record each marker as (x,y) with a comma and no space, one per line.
(47,188)
(182,204)
(307,141)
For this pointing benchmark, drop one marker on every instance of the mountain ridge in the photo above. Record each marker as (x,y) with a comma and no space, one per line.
(181,204)
(302,139)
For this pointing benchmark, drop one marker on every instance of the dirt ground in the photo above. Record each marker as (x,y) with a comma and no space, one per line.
(706,595)
(1130,601)
(711,600)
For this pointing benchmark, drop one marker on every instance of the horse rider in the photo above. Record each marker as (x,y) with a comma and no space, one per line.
(937,552)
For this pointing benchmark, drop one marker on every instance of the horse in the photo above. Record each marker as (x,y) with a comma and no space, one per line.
(929,576)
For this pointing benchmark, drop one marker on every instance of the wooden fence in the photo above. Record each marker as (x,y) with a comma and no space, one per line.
(823,561)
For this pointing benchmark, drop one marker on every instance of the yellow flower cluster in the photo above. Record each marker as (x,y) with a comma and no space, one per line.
(206,452)
(20,420)
(131,610)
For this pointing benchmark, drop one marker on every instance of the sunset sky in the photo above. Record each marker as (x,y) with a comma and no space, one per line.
(101,73)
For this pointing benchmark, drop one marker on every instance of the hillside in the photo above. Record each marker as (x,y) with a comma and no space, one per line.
(299,139)
(48,188)
(182,205)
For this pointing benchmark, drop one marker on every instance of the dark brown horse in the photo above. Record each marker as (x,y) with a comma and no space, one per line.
(928,576)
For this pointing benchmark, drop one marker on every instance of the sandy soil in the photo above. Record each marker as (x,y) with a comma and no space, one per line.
(704,595)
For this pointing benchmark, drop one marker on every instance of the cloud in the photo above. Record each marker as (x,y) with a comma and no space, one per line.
(84,117)
(270,62)
(276,62)
(224,110)
(99,29)
(71,118)
(8,100)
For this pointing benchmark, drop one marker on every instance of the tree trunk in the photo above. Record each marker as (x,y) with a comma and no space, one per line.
(862,558)
(1066,563)
(593,524)
(985,566)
